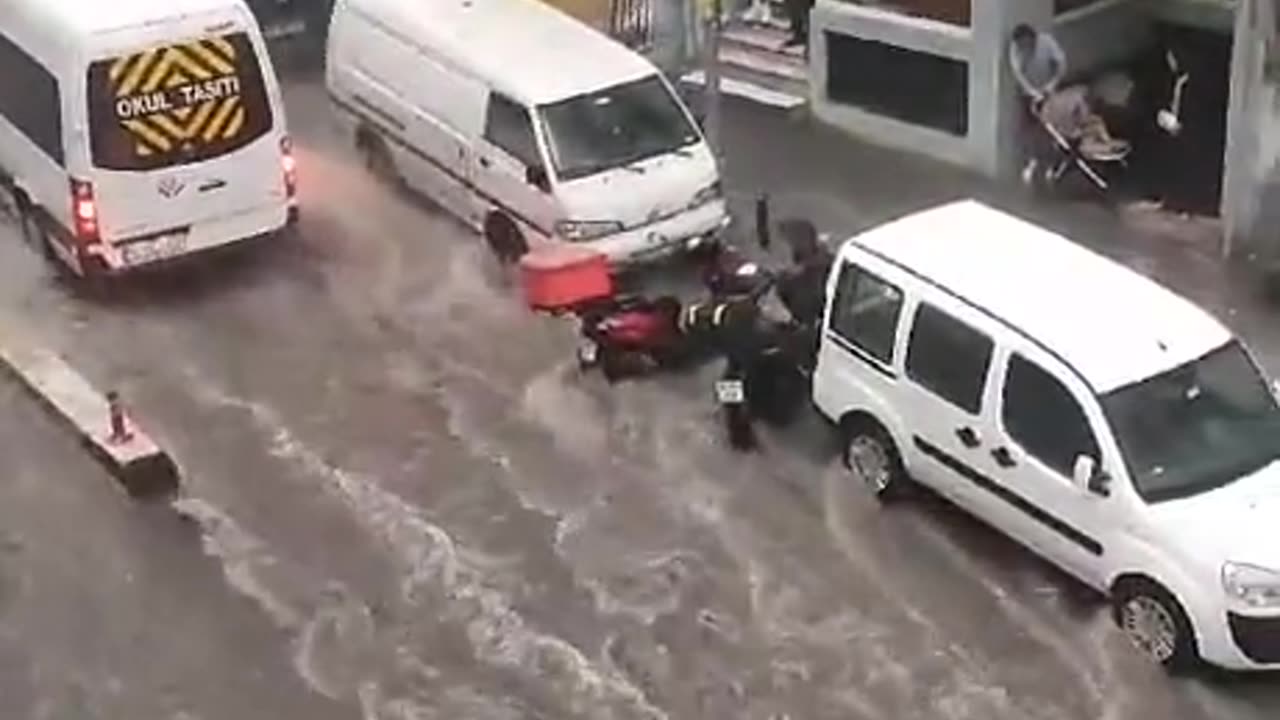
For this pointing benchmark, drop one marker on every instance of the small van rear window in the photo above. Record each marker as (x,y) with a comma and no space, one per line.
(177,104)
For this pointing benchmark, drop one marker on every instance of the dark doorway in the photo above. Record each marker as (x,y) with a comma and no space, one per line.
(1185,171)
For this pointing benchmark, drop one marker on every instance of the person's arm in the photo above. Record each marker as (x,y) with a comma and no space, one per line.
(1059,62)
(1015,62)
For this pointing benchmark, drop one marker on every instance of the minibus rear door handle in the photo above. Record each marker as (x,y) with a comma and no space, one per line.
(484,162)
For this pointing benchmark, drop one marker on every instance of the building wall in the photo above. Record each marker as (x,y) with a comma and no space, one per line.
(1095,34)
(592,12)
(1251,201)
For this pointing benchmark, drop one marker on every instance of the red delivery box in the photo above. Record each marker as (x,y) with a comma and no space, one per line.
(562,276)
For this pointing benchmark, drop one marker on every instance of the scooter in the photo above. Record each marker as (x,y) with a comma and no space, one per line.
(771,359)
(633,336)
(630,336)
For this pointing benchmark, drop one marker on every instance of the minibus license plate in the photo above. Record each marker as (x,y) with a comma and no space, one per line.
(730,392)
(159,248)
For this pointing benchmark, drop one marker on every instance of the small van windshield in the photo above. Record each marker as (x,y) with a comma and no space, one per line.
(1197,427)
(616,127)
(177,104)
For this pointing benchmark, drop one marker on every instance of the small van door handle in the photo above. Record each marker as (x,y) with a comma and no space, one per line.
(484,162)
(1003,457)
(968,436)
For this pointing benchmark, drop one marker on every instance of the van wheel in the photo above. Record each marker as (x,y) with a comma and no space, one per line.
(504,238)
(873,460)
(1155,624)
(377,157)
(32,234)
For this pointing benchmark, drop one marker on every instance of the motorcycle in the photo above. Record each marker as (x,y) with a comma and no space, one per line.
(771,356)
(633,336)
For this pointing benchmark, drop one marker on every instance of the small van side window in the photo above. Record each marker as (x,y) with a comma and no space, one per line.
(508,127)
(948,358)
(865,311)
(1042,416)
(30,99)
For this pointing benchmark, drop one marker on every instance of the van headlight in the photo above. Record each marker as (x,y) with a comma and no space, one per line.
(711,192)
(579,230)
(1254,586)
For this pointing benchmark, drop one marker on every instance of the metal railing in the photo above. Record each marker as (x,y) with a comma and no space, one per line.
(632,22)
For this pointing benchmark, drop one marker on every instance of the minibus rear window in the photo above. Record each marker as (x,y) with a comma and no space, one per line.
(177,104)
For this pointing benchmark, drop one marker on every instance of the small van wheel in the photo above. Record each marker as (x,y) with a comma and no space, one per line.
(377,157)
(1156,625)
(873,460)
(505,239)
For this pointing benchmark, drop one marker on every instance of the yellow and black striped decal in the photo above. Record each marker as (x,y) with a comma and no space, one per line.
(179,97)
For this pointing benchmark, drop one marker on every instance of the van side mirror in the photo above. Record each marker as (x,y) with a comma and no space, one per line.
(1093,478)
(536,175)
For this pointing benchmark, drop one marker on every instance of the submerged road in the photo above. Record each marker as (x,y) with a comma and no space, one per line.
(402,501)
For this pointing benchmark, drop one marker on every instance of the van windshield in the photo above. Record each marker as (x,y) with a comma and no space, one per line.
(1197,427)
(177,104)
(616,127)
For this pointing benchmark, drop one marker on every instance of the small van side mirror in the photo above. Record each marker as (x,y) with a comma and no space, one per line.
(536,175)
(1093,478)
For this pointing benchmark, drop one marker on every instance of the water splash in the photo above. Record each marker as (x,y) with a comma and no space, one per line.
(436,576)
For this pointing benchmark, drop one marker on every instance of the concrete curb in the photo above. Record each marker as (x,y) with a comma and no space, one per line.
(747,91)
(134,460)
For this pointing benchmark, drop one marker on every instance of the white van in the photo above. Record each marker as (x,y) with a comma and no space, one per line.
(134,131)
(525,123)
(1104,422)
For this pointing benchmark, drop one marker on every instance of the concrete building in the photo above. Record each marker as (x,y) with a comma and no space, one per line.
(932,76)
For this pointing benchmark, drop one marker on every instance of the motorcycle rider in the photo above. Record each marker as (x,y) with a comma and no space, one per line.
(802,287)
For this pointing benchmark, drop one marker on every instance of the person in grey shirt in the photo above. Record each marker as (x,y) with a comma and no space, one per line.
(1038,64)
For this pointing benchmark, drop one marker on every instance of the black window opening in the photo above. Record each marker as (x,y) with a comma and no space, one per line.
(948,358)
(865,312)
(1042,416)
(508,127)
(177,104)
(906,85)
(31,100)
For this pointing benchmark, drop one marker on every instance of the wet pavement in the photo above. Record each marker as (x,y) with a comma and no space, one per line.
(403,501)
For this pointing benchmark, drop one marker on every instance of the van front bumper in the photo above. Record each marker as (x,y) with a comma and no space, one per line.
(665,237)
(1236,641)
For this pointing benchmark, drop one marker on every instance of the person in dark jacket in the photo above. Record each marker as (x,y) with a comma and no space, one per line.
(798,14)
(802,288)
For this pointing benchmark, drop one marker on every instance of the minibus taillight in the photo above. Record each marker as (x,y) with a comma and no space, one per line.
(84,211)
(290,167)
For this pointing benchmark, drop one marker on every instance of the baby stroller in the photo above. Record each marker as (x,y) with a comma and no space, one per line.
(1087,146)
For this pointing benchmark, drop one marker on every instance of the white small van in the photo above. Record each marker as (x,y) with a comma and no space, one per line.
(1102,421)
(526,124)
(134,131)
